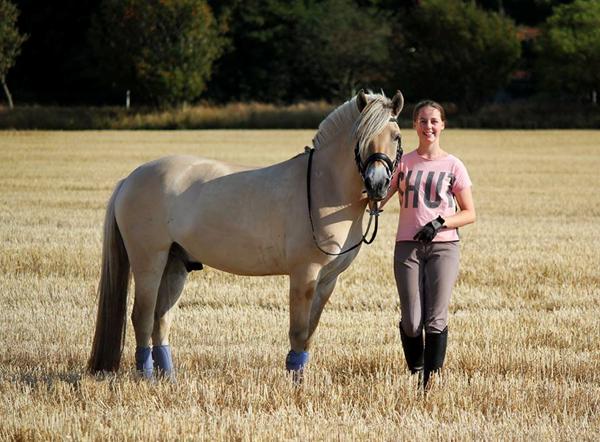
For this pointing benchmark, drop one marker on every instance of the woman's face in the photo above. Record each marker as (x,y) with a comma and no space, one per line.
(429,125)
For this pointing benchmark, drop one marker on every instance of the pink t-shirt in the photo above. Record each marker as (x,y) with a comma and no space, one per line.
(426,189)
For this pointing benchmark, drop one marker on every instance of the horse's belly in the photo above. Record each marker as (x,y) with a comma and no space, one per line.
(242,266)
(235,252)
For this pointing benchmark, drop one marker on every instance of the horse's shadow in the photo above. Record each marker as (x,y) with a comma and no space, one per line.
(49,380)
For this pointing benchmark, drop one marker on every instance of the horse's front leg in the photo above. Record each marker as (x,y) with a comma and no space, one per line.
(323,292)
(302,291)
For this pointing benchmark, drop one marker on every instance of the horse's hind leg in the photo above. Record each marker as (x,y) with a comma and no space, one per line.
(170,289)
(147,272)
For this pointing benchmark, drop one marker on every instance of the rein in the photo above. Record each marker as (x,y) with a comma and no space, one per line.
(373,213)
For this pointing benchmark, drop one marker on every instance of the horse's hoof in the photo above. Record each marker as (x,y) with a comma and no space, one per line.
(295,363)
(143,362)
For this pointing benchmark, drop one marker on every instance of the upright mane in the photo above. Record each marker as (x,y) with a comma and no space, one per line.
(340,119)
(363,127)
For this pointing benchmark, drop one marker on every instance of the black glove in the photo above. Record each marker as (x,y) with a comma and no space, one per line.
(429,230)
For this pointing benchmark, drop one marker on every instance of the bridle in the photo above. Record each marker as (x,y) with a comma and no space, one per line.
(378,156)
(362,168)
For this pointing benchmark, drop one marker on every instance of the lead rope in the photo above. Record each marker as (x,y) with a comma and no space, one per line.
(373,213)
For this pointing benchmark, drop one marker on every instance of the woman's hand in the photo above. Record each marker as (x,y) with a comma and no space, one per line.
(429,230)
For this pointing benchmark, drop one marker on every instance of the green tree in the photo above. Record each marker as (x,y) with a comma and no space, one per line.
(455,51)
(10,43)
(161,50)
(344,47)
(569,49)
(259,61)
(301,49)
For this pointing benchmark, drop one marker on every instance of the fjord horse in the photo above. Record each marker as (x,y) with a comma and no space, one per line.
(175,214)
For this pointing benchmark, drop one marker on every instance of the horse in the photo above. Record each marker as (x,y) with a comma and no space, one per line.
(175,214)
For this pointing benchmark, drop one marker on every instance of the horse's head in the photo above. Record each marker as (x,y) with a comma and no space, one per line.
(378,141)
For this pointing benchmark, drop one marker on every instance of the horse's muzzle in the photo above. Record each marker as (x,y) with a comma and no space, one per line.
(377,182)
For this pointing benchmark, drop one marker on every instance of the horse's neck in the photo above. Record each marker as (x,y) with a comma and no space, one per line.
(341,181)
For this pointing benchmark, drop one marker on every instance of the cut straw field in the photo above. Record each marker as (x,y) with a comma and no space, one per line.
(524,351)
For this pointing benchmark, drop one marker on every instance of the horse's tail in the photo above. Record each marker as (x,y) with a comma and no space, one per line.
(112,296)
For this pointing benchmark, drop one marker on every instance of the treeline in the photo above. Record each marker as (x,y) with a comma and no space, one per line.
(170,52)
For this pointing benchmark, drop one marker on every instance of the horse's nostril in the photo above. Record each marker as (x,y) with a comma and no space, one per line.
(386,182)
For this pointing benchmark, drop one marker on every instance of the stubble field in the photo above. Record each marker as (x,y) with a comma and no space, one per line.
(523,360)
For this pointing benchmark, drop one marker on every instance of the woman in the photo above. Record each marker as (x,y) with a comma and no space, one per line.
(430,184)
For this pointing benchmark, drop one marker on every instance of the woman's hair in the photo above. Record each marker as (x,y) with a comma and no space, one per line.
(429,103)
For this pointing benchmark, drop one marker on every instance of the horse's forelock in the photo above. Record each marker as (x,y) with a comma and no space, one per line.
(373,120)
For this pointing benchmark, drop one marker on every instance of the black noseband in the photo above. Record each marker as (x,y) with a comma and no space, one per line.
(378,156)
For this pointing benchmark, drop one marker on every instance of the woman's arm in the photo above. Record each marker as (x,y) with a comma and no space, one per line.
(466,215)
(391,191)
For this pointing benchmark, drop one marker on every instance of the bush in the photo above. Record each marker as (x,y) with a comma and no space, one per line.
(516,115)
(230,116)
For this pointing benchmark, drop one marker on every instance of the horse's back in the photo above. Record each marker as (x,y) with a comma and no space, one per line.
(178,172)
(174,174)
(144,203)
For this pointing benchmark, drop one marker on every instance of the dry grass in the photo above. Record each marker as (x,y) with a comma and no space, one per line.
(524,353)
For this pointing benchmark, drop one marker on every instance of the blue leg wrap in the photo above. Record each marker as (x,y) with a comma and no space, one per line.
(143,361)
(163,362)
(296,361)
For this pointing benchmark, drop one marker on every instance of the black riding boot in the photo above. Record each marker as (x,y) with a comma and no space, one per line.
(435,353)
(413,351)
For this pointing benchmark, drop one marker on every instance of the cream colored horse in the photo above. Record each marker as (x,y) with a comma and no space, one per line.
(172,214)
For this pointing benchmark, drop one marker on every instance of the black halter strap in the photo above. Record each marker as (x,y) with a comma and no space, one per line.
(372,213)
(378,156)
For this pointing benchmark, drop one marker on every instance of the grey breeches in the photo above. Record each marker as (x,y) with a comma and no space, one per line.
(425,275)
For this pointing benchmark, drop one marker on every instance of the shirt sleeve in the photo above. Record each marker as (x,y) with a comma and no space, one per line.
(461,177)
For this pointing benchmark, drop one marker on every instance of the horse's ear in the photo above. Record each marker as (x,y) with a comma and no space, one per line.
(397,103)
(361,100)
